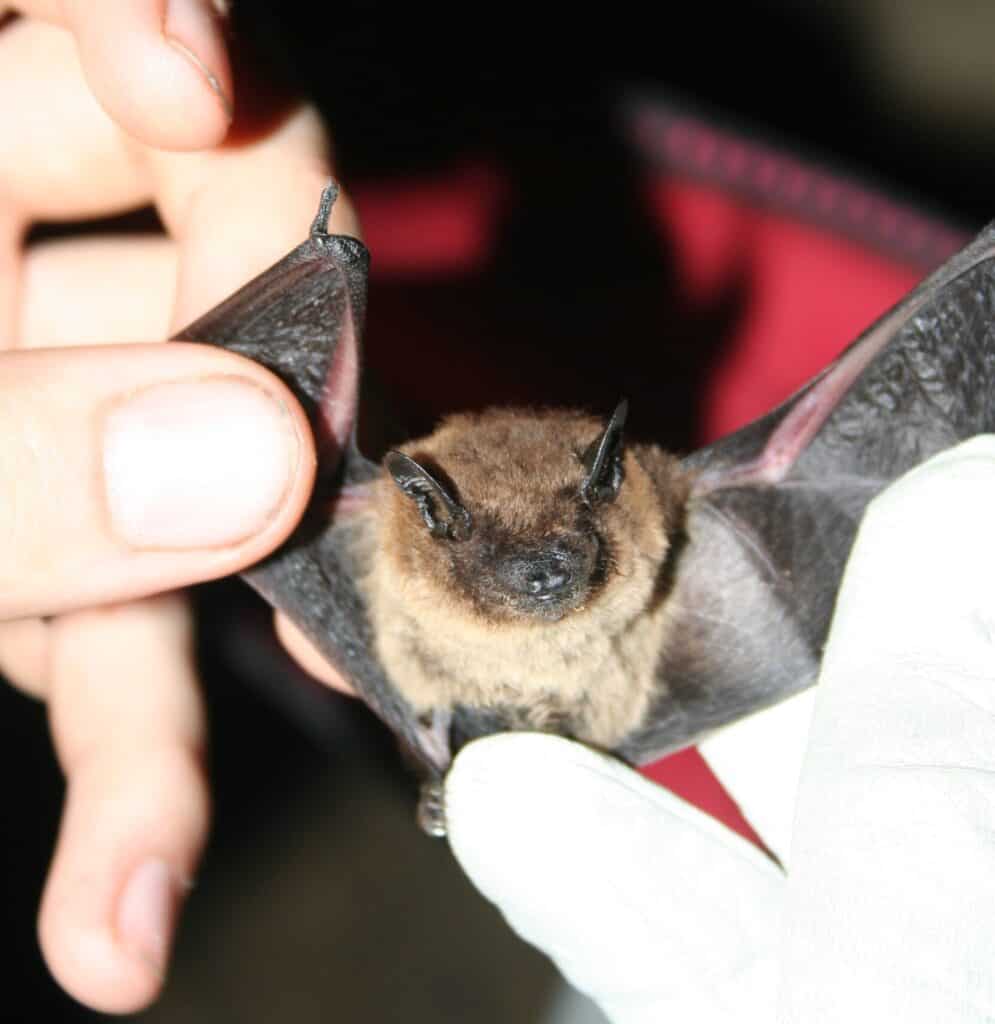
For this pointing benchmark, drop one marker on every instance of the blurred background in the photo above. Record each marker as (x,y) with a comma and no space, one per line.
(498,164)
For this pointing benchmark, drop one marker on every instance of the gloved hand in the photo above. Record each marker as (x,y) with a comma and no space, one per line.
(660,913)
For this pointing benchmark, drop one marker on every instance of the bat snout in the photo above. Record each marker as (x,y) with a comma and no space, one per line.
(548,581)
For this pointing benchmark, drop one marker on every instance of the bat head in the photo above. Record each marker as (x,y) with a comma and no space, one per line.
(513,515)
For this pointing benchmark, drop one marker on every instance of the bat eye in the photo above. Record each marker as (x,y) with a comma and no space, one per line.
(603,461)
(444,516)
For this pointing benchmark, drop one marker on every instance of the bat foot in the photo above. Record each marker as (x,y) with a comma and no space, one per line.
(432,810)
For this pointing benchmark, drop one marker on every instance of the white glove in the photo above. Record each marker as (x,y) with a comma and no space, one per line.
(660,913)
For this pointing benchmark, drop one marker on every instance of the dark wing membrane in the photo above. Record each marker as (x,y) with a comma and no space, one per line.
(312,580)
(777,504)
(302,319)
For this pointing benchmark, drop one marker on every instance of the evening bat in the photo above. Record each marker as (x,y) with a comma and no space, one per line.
(530,569)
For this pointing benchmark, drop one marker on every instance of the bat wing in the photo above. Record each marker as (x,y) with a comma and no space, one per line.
(302,319)
(776,505)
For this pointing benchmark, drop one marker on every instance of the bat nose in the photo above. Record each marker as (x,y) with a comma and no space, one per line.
(545,574)
(543,582)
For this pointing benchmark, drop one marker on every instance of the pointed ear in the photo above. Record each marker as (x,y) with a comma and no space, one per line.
(603,460)
(444,516)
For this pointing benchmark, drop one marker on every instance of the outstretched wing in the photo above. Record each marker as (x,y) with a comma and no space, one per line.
(776,505)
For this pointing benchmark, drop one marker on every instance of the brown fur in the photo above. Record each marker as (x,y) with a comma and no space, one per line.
(444,633)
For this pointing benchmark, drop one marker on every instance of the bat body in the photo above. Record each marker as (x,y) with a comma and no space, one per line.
(546,611)
(531,570)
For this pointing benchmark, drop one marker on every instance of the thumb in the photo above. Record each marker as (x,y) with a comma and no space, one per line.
(652,908)
(130,470)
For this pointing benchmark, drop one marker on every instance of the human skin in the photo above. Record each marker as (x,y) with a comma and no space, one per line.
(118,482)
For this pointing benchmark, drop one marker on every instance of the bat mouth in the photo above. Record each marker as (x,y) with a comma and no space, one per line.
(549,608)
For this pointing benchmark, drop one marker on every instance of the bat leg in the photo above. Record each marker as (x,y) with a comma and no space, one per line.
(432,734)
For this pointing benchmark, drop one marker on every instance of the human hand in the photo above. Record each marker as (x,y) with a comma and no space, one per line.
(132,469)
(659,913)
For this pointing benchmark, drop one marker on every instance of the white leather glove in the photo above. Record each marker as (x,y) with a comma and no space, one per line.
(659,913)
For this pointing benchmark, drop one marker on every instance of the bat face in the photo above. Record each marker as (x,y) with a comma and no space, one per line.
(496,563)
(524,539)
(516,553)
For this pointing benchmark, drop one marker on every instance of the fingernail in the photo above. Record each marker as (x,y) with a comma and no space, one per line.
(147,911)
(192,28)
(197,463)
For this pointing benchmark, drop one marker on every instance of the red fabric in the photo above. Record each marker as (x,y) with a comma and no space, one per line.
(433,225)
(809,293)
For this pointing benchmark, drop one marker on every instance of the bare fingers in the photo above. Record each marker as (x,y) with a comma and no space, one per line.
(125,711)
(125,714)
(233,210)
(129,732)
(128,470)
(159,68)
(95,291)
(309,657)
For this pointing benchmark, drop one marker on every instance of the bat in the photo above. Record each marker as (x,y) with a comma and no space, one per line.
(530,569)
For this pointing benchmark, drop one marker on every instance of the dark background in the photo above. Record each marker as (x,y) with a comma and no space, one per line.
(318,899)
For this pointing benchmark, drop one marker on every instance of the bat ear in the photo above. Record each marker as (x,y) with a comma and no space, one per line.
(603,460)
(444,516)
